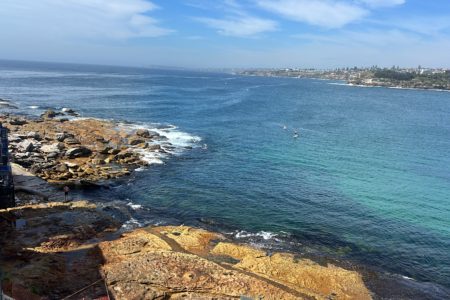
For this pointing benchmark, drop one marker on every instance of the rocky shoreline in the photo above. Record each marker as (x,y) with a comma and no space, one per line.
(78,151)
(52,249)
(60,249)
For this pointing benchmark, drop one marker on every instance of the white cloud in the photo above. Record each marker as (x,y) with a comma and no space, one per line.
(325,13)
(243,26)
(382,3)
(82,18)
(236,22)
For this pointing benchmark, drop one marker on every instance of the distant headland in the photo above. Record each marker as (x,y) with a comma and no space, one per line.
(395,77)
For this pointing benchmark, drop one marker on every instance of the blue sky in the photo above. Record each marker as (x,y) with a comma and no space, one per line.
(228,33)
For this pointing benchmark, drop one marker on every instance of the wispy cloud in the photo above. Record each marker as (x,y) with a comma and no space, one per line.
(325,13)
(382,3)
(240,26)
(86,18)
(237,22)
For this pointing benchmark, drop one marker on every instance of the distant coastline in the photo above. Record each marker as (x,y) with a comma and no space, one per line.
(402,78)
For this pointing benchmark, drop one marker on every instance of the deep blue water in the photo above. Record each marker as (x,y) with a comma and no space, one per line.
(368,179)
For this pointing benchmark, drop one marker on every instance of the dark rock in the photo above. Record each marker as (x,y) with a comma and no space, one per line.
(49,114)
(136,141)
(34,135)
(25,146)
(154,147)
(17,121)
(70,112)
(78,152)
(143,133)
(61,136)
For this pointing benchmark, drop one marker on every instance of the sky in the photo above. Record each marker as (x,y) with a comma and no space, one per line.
(228,33)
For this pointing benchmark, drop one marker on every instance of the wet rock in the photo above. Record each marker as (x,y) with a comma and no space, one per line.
(49,114)
(78,152)
(137,141)
(154,147)
(7,104)
(70,112)
(124,154)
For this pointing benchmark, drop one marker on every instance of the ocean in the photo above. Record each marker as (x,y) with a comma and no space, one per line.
(367,180)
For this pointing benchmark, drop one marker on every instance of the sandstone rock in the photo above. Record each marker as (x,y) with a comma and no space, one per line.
(71,165)
(104,150)
(52,148)
(62,168)
(143,133)
(154,147)
(124,154)
(72,141)
(114,151)
(78,152)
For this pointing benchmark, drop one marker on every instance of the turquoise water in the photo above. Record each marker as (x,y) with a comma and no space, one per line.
(368,178)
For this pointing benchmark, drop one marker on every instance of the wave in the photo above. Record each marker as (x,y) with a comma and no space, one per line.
(171,140)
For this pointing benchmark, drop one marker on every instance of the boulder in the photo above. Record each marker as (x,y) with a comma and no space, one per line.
(61,136)
(135,142)
(25,146)
(14,138)
(17,121)
(56,148)
(72,141)
(49,114)
(70,112)
(154,147)
(71,165)
(78,152)
(34,135)
(143,133)
(104,150)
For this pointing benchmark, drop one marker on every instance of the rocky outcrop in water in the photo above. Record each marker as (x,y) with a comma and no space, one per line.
(87,150)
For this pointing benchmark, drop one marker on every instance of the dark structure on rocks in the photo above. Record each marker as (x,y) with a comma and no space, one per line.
(6,179)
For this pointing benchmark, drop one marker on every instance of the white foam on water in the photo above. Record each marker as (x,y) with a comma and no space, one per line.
(266,235)
(172,141)
(134,206)
(131,224)
(33,106)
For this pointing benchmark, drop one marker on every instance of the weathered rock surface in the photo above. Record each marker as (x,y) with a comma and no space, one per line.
(175,262)
(99,149)
(57,249)
(51,252)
